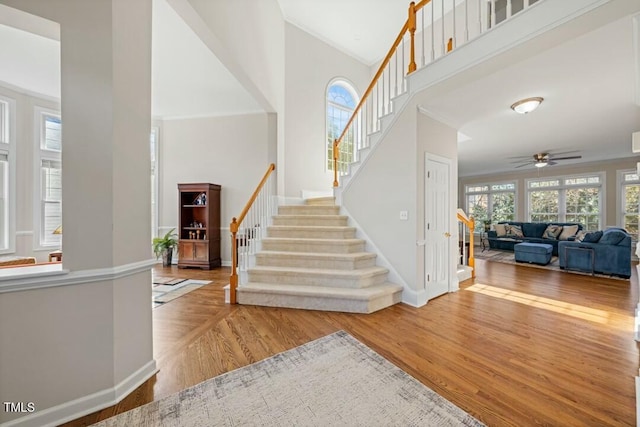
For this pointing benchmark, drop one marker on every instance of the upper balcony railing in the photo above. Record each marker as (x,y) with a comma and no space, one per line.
(433,28)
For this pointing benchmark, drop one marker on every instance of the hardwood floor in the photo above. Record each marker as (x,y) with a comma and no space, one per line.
(517,346)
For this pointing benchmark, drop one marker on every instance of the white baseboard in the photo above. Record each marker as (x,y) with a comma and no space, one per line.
(85,405)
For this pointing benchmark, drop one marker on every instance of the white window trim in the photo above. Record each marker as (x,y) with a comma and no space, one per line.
(347,84)
(41,154)
(619,199)
(561,199)
(10,150)
(490,192)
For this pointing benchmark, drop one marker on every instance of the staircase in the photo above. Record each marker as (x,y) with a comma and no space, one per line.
(311,259)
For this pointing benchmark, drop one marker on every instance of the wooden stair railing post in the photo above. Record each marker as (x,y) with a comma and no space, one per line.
(233,279)
(411,25)
(472,261)
(235,226)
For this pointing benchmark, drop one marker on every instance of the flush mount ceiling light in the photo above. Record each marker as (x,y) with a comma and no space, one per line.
(527,105)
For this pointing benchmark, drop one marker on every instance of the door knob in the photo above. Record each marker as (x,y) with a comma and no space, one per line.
(447,234)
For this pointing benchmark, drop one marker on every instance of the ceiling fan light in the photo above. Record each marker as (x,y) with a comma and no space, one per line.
(527,105)
(541,164)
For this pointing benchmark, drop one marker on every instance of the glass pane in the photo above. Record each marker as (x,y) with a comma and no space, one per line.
(631,198)
(338,94)
(630,177)
(478,208)
(631,224)
(4,205)
(477,189)
(503,187)
(503,207)
(546,183)
(582,200)
(51,219)
(543,206)
(52,133)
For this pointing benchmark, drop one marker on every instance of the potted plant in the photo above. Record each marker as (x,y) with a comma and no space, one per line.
(163,246)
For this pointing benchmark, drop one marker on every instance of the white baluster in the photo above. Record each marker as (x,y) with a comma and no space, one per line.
(526,4)
(444,49)
(422,11)
(389,84)
(466,22)
(508,9)
(433,40)
(384,102)
(454,23)
(396,68)
(480,17)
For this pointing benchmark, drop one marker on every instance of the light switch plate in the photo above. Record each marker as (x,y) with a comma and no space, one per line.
(404,215)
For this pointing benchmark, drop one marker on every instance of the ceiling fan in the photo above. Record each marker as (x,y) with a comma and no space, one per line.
(541,160)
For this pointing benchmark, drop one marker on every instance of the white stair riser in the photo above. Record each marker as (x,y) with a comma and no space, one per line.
(321,201)
(311,279)
(308,210)
(311,232)
(345,247)
(301,261)
(308,220)
(319,303)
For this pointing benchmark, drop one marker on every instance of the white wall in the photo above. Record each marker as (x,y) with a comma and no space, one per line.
(385,185)
(230,151)
(310,65)
(78,342)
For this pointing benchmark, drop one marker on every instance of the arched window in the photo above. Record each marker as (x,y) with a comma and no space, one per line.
(341,102)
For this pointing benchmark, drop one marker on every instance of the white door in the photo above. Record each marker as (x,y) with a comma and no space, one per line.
(437,230)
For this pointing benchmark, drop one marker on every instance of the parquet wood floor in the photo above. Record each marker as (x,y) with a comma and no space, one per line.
(517,346)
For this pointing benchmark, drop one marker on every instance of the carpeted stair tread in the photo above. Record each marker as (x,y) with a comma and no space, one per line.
(320,255)
(362,272)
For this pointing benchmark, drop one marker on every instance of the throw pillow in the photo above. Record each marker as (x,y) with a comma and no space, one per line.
(501,230)
(552,232)
(612,237)
(580,235)
(514,230)
(592,237)
(568,231)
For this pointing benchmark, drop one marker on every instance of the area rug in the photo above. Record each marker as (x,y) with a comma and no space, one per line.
(335,380)
(163,293)
(167,280)
(508,257)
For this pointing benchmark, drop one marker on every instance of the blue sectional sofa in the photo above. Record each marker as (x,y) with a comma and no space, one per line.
(532,233)
(611,254)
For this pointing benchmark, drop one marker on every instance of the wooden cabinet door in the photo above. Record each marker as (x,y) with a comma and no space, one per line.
(185,251)
(201,251)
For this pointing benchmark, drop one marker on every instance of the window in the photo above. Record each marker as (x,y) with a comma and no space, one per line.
(49,191)
(491,202)
(7,115)
(570,199)
(629,184)
(341,103)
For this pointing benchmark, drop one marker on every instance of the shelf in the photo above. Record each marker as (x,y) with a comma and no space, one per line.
(194,228)
(194,206)
(194,240)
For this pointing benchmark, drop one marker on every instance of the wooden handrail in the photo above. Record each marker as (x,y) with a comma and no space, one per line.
(471,224)
(410,26)
(234,226)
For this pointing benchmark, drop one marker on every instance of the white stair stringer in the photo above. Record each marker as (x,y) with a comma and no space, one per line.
(311,260)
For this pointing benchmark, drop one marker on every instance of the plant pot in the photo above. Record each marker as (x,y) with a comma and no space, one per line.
(166,258)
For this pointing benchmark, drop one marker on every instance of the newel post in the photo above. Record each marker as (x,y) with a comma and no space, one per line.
(233,279)
(411,24)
